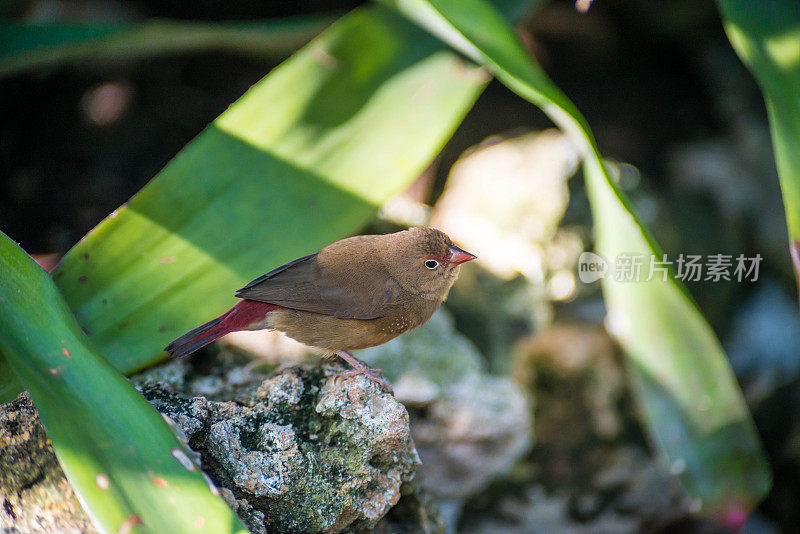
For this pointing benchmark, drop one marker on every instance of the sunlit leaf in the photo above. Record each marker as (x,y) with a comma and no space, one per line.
(120,456)
(766,35)
(692,404)
(303,158)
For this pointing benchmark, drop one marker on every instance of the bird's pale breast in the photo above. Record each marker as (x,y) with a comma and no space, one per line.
(332,333)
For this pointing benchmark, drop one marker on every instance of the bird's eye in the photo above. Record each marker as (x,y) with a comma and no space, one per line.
(431,264)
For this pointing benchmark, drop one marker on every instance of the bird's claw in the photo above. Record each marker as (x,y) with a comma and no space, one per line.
(360,368)
(372,374)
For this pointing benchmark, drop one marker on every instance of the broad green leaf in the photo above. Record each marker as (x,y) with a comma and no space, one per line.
(10,385)
(305,157)
(766,35)
(692,404)
(28,46)
(120,456)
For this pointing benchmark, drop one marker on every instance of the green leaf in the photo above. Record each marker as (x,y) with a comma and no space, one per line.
(692,404)
(10,386)
(766,35)
(303,158)
(120,456)
(28,46)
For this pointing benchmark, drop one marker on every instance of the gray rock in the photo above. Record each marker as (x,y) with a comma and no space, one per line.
(416,512)
(468,426)
(308,451)
(425,363)
(303,450)
(536,511)
(35,495)
(471,435)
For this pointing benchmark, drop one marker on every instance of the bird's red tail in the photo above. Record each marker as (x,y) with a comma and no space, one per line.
(243,314)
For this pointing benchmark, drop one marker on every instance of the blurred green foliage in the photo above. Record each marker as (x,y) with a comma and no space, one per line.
(766,35)
(25,47)
(691,401)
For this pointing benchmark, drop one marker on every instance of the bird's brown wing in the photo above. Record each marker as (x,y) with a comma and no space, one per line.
(304,284)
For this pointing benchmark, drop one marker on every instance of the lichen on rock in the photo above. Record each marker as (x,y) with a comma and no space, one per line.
(311,450)
(302,450)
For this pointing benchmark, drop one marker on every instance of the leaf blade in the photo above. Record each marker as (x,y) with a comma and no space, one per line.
(766,36)
(334,129)
(117,452)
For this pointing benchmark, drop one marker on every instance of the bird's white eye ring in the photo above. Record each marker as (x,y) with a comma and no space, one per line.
(431,264)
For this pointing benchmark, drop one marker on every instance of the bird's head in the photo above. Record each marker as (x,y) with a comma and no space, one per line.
(424,260)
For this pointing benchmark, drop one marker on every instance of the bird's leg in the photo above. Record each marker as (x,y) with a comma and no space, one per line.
(360,368)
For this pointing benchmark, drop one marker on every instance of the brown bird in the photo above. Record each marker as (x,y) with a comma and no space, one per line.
(354,293)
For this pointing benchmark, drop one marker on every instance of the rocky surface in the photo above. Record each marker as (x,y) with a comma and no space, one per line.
(301,450)
(36,496)
(629,493)
(590,470)
(305,450)
(469,426)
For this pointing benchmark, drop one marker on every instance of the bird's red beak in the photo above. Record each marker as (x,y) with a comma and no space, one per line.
(459,256)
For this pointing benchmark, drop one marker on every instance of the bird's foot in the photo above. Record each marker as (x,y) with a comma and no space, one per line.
(360,368)
(369,373)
